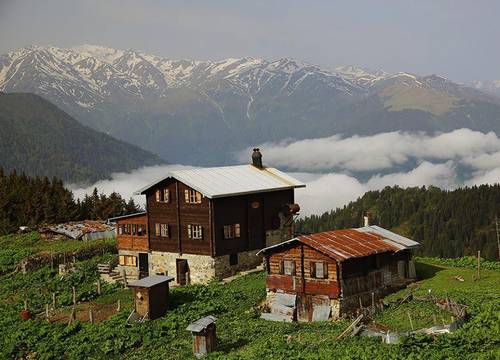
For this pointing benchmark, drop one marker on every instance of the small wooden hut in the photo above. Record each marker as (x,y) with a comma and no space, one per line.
(204,335)
(151,296)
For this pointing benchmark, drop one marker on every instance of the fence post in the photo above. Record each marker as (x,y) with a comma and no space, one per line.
(91,315)
(53,301)
(98,286)
(74,295)
(479,264)
(411,322)
(118,305)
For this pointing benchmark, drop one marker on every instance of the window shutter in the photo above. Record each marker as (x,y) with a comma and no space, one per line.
(122,260)
(190,231)
(325,270)
(313,269)
(157,229)
(157,195)
(166,195)
(282,267)
(293,268)
(134,261)
(186,195)
(198,197)
(201,232)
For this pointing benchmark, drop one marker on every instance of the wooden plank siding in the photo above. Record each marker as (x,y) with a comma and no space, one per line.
(178,215)
(302,281)
(132,242)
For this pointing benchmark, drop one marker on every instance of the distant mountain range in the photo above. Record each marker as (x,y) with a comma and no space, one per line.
(199,112)
(38,138)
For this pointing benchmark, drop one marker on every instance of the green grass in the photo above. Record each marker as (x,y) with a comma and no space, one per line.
(241,333)
(13,248)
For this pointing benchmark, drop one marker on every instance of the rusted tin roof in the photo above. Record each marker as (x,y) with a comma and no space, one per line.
(350,243)
(87,229)
(201,324)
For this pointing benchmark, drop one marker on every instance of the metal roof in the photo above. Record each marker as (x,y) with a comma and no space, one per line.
(201,324)
(127,216)
(352,243)
(77,230)
(231,180)
(391,238)
(151,281)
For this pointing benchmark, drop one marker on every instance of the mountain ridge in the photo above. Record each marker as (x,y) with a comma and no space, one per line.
(200,112)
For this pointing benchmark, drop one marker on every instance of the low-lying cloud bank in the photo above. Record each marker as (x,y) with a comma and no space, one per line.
(327,165)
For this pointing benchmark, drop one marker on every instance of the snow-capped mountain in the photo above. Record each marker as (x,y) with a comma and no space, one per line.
(491,86)
(200,111)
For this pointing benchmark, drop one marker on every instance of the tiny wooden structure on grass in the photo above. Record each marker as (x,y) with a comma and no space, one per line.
(332,273)
(151,296)
(204,335)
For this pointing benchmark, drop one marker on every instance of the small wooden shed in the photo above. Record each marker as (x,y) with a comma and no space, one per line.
(204,335)
(151,295)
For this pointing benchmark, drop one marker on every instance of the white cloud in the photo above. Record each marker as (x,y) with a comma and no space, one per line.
(376,152)
(437,159)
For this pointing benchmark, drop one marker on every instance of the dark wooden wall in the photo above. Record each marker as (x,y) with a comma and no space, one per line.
(178,214)
(132,242)
(239,209)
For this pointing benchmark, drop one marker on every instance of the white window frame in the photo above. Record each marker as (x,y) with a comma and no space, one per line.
(232,231)
(164,230)
(192,196)
(288,267)
(195,231)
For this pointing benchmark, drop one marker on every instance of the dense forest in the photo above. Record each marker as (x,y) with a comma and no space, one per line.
(38,138)
(446,223)
(32,201)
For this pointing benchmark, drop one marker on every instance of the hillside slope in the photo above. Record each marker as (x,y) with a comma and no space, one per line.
(38,138)
(199,112)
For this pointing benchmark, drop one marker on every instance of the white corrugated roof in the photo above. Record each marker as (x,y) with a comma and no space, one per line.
(391,238)
(232,180)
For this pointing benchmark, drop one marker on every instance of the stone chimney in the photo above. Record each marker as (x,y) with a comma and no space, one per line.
(257,158)
(366,219)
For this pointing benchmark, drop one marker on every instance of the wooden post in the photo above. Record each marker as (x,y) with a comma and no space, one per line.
(74,295)
(479,264)
(91,315)
(497,227)
(360,303)
(51,261)
(411,322)
(118,305)
(72,315)
(373,301)
(124,277)
(47,311)
(53,301)
(98,286)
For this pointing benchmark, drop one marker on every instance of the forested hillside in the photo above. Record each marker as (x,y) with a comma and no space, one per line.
(446,223)
(38,138)
(31,201)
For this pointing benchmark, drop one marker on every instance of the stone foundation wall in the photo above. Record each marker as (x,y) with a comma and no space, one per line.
(246,260)
(201,267)
(131,272)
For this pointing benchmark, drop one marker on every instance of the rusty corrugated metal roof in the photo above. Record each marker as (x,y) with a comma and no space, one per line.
(345,244)
(351,243)
(77,230)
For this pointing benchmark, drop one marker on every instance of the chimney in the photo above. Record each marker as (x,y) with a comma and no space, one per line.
(257,158)
(366,219)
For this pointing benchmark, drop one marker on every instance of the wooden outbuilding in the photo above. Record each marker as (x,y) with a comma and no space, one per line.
(204,335)
(151,296)
(328,274)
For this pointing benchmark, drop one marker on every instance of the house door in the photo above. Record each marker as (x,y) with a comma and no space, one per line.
(143,265)
(256,236)
(182,271)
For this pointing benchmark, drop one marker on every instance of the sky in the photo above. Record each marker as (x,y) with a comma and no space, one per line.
(457,39)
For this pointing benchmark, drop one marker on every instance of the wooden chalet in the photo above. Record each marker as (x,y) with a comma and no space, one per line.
(133,245)
(328,274)
(205,223)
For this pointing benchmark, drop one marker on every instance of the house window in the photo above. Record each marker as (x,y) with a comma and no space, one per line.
(195,231)
(233,259)
(192,196)
(127,260)
(164,230)
(232,231)
(120,229)
(134,229)
(288,267)
(162,195)
(319,270)
(141,230)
